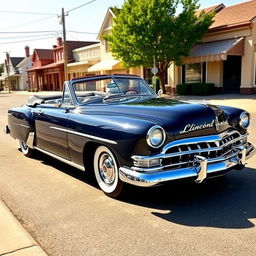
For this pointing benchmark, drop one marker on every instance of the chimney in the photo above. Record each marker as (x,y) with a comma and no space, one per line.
(59,41)
(8,58)
(27,51)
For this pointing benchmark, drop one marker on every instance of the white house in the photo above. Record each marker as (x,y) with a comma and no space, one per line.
(17,66)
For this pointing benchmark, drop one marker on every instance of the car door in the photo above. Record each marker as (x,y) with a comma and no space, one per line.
(50,123)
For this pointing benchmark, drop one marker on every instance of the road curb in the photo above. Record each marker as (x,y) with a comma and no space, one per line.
(15,240)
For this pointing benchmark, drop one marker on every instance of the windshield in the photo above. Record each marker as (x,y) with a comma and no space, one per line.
(88,90)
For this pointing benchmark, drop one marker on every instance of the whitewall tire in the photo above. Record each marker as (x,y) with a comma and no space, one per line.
(25,149)
(106,172)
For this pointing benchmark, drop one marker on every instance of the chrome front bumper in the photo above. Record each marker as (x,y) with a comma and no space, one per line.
(200,171)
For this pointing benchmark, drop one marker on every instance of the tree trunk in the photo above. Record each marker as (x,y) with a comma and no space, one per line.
(162,69)
(162,84)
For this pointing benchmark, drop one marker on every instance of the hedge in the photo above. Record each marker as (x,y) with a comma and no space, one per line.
(196,89)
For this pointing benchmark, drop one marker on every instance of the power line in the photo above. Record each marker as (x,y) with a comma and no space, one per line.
(21,41)
(46,31)
(33,13)
(71,10)
(29,32)
(29,36)
(82,32)
(30,22)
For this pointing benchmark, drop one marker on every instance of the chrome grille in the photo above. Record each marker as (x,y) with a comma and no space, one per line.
(185,152)
(182,153)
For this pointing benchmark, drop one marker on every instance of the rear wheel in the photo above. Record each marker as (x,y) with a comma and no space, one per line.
(106,172)
(25,149)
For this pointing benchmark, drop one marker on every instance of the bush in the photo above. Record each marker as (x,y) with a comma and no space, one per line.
(202,89)
(184,89)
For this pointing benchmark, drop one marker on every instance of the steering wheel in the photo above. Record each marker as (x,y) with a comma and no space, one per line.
(132,91)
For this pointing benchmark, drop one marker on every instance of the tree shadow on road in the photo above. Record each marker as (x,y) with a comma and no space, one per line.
(226,202)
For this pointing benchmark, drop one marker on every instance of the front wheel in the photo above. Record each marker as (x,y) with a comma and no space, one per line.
(106,172)
(25,149)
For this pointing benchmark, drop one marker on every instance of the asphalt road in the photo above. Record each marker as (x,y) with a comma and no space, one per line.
(64,210)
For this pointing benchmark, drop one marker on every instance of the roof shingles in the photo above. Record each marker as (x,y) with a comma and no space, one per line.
(234,15)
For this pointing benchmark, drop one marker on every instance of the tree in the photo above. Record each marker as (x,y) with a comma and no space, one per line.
(152,28)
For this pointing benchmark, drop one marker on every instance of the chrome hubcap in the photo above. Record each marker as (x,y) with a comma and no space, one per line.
(107,169)
(24,146)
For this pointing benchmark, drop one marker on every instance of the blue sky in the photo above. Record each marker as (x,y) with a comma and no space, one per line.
(85,19)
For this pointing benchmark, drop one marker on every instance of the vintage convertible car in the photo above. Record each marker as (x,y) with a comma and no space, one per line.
(118,127)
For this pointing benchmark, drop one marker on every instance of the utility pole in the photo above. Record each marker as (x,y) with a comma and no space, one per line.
(7,72)
(62,22)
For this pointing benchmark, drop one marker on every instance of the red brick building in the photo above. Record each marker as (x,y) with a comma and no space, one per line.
(47,72)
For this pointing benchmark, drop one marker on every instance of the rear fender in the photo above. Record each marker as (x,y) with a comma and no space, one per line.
(21,124)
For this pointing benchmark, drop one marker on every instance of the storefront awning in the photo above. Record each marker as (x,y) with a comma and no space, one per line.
(215,51)
(78,63)
(105,65)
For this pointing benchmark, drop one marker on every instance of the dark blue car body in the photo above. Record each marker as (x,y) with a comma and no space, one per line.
(199,140)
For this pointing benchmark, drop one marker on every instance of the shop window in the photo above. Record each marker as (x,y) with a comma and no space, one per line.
(194,73)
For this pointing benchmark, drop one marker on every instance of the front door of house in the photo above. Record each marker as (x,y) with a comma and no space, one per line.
(232,74)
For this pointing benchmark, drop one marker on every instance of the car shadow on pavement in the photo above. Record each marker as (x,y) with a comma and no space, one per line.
(86,177)
(224,202)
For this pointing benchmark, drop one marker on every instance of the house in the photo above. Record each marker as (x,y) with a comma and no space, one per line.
(84,57)
(107,64)
(226,56)
(47,72)
(22,67)
(15,69)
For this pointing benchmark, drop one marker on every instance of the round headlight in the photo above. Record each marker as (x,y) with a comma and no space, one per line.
(156,136)
(244,120)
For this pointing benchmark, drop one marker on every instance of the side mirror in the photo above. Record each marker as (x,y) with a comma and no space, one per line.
(58,102)
(160,92)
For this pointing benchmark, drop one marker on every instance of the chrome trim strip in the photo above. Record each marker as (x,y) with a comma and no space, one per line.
(84,135)
(23,125)
(61,159)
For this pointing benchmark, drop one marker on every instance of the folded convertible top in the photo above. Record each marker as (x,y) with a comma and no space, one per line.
(39,99)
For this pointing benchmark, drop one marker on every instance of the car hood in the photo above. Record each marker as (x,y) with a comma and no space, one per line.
(179,119)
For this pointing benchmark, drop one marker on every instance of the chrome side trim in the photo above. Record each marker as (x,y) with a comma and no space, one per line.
(84,135)
(61,159)
(23,125)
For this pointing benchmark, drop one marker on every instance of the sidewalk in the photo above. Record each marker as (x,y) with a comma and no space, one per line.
(14,239)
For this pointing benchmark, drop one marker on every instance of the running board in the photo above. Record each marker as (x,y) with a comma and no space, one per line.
(80,167)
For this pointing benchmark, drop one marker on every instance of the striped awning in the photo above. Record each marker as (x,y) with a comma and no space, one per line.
(215,51)
(105,65)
